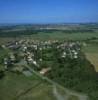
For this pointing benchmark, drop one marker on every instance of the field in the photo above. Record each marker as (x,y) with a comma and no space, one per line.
(63,36)
(15,87)
(19,87)
(44,32)
(91,52)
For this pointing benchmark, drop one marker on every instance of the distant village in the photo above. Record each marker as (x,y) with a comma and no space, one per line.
(25,55)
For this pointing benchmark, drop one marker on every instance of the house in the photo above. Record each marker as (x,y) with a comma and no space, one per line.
(5,62)
(12,57)
(44,70)
(64,55)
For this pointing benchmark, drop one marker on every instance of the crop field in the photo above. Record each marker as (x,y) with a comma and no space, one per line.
(91,52)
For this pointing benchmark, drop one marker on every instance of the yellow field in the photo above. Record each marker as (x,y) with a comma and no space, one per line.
(93,58)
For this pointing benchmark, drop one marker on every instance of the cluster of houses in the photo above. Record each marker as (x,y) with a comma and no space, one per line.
(26,52)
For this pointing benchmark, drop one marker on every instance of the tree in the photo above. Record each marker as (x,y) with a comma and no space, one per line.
(2,74)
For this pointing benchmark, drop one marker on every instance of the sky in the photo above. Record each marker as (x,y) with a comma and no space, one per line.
(48,11)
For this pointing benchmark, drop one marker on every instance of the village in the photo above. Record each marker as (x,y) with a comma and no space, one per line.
(25,55)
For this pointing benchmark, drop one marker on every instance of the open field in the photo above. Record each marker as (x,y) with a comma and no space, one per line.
(93,58)
(52,36)
(14,87)
(64,36)
(91,52)
(44,32)
(20,87)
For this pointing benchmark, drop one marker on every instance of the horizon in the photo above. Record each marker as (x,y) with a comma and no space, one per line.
(48,11)
(7,24)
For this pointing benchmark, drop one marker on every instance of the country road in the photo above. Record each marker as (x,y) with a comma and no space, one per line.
(57,95)
(55,92)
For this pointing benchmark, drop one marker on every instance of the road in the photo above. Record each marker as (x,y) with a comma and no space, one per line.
(55,92)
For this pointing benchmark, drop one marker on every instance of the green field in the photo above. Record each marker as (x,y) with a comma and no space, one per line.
(63,36)
(15,87)
(19,87)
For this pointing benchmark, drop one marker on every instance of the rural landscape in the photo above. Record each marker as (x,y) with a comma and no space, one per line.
(49,62)
(48,49)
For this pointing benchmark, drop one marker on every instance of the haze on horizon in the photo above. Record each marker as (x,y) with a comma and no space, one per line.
(48,11)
